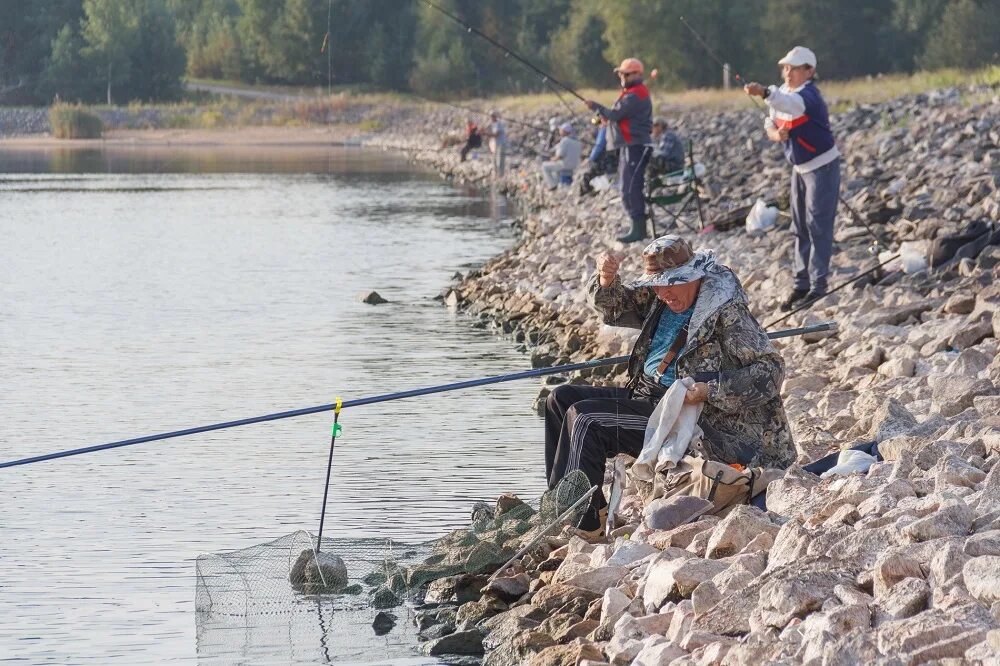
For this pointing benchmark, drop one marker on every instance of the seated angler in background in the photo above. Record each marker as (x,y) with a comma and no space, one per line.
(565,158)
(473,139)
(601,161)
(694,321)
(668,149)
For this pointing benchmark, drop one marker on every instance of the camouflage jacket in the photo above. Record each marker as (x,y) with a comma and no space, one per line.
(743,420)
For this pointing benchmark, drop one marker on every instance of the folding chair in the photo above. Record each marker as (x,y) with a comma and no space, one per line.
(663,191)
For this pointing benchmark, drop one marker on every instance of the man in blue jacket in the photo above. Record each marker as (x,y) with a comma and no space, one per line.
(798,118)
(631,121)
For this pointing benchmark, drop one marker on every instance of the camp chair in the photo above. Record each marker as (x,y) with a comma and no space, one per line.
(664,191)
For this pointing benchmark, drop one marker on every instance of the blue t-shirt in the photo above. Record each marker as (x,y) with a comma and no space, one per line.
(666,332)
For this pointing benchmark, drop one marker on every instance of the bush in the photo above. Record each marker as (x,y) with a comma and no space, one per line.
(73,121)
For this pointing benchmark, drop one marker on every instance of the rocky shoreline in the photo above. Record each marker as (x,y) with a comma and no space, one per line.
(899,565)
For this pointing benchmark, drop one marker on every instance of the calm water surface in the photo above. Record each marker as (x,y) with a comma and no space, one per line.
(142,291)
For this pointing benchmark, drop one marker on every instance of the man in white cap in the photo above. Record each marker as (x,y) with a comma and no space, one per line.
(629,127)
(566,157)
(694,321)
(798,118)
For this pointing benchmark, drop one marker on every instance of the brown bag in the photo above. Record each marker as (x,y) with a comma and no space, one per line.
(719,483)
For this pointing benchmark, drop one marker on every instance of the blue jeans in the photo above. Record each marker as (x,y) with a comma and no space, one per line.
(632,161)
(814,208)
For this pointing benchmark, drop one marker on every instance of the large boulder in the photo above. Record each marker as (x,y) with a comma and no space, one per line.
(737,529)
(982,578)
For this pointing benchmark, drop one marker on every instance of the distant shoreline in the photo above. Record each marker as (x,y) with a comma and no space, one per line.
(235,137)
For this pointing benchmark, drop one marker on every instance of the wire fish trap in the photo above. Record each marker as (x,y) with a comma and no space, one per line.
(289,573)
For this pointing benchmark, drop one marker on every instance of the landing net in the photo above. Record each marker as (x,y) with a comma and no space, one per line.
(351,580)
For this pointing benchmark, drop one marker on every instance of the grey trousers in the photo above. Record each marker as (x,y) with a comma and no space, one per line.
(814,207)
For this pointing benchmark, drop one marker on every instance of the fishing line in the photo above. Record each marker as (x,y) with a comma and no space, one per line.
(468,109)
(711,53)
(547,78)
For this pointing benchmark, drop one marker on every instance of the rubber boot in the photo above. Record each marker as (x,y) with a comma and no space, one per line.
(638,232)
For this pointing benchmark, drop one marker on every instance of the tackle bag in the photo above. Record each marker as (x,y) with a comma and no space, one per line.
(723,485)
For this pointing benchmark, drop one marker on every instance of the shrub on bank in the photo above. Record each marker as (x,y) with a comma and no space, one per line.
(73,121)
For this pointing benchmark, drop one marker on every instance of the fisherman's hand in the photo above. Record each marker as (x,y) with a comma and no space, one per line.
(607,267)
(776,135)
(754,89)
(783,134)
(697,394)
(591,104)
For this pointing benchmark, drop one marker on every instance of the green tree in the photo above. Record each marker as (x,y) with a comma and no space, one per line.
(847,36)
(968,35)
(110,31)
(156,61)
(27,31)
(730,29)
(578,47)
(67,74)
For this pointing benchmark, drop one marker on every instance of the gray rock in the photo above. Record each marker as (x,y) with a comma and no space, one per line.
(737,529)
(670,512)
(905,599)
(983,543)
(598,580)
(508,589)
(325,573)
(383,623)
(460,642)
(384,598)
(982,578)
(372,298)
(960,303)
(951,519)
(890,420)
(954,393)
(794,595)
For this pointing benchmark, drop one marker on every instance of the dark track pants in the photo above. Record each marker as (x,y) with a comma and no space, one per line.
(814,200)
(586,425)
(632,161)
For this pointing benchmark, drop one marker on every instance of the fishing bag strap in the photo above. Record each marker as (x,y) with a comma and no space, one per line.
(674,350)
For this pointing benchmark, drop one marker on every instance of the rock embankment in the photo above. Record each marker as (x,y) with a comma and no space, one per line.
(899,565)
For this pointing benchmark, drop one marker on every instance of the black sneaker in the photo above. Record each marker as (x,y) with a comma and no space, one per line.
(793,298)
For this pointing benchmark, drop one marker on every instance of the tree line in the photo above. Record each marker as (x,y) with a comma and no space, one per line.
(117,51)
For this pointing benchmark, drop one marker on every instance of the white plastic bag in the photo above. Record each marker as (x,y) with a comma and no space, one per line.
(848,462)
(912,257)
(761,218)
(600,183)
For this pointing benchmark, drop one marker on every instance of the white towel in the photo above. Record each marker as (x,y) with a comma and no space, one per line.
(672,428)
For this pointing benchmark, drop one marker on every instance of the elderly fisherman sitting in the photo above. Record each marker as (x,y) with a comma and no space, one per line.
(694,321)
(565,158)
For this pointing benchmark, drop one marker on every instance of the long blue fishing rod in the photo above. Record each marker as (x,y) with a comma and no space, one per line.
(387,397)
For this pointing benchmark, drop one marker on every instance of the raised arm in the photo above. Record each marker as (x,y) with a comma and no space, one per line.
(618,305)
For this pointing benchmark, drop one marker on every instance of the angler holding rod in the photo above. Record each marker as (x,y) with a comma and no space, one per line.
(799,120)
(630,126)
